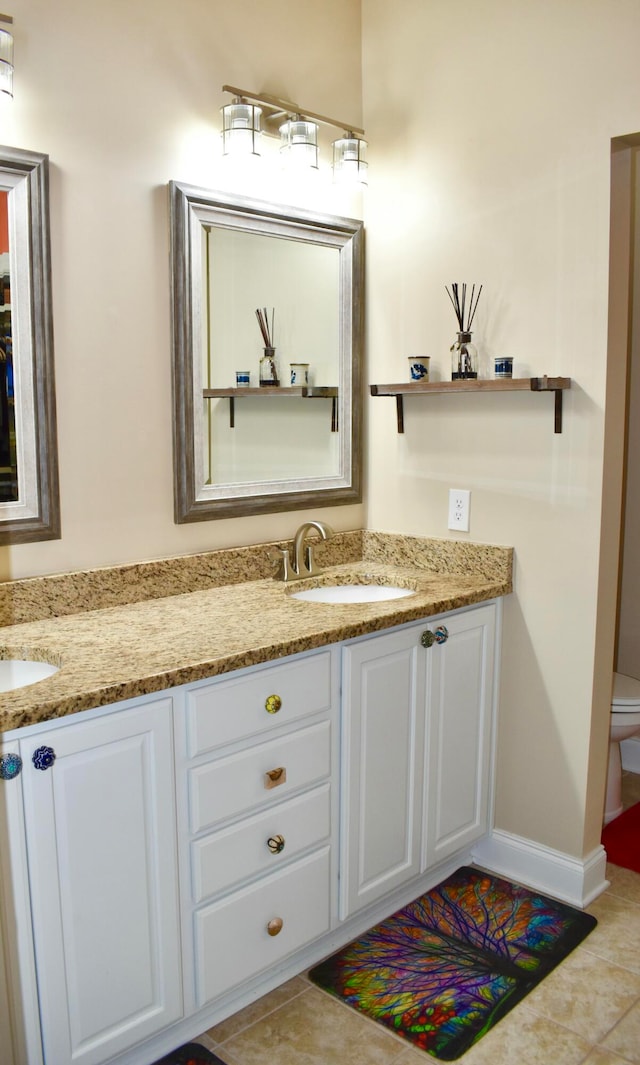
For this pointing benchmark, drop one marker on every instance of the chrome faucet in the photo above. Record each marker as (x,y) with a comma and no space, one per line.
(303,563)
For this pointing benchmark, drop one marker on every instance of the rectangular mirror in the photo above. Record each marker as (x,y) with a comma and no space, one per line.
(249,277)
(29,503)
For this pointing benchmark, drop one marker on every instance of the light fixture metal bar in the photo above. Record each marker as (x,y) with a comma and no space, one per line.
(6,18)
(289,107)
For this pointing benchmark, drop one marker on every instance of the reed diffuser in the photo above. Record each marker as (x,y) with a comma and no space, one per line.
(464,354)
(268,368)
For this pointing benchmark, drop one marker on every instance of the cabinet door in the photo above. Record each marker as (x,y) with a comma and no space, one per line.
(459,720)
(383,738)
(100,828)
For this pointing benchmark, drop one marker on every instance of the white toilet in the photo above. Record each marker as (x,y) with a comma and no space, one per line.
(625,722)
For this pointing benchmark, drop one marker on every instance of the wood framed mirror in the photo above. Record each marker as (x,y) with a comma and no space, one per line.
(253,446)
(29,494)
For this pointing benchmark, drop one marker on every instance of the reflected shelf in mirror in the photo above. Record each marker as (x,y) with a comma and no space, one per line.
(292,392)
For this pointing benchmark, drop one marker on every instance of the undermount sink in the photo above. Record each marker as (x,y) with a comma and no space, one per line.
(352,593)
(18,673)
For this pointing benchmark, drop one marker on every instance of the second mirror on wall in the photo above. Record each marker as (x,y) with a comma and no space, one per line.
(267,308)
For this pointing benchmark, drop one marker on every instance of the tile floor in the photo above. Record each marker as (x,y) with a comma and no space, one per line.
(586,1011)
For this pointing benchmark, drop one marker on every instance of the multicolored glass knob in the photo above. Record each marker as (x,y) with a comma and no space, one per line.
(10,766)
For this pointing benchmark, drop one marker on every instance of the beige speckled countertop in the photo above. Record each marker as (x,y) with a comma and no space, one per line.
(119,652)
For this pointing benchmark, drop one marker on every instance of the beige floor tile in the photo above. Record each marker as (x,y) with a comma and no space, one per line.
(313,1029)
(525,1038)
(617,937)
(624,1039)
(624,883)
(586,994)
(256,1010)
(601,1056)
(630,788)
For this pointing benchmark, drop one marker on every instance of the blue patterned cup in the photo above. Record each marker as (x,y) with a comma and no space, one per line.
(243,378)
(419,367)
(299,373)
(503,366)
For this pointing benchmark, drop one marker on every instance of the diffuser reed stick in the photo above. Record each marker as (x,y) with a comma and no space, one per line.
(459,304)
(268,334)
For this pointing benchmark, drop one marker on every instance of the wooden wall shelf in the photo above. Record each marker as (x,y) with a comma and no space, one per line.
(557,385)
(301,392)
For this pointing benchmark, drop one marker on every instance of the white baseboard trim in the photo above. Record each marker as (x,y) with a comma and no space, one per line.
(630,752)
(574,880)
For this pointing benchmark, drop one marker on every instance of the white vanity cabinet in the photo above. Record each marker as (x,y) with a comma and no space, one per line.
(416,723)
(102,871)
(255,754)
(187,851)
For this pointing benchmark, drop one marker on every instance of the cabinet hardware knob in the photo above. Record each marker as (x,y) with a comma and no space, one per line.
(275,844)
(272,704)
(43,757)
(441,635)
(10,766)
(274,777)
(427,638)
(275,926)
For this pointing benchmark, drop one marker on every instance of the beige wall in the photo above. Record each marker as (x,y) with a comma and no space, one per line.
(490,128)
(125,96)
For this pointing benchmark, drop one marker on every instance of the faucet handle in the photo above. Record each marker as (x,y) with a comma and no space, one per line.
(279,558)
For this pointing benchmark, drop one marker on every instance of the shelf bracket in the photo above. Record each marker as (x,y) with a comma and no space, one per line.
(400,413)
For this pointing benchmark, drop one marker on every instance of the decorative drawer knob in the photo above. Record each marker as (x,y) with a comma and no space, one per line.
(275,844)
(274,777)
(10,766)
(275,926)
(441,635)
(43,757)
(272,704)
(427,638)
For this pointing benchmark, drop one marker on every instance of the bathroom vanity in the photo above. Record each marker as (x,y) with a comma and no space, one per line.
(178,853)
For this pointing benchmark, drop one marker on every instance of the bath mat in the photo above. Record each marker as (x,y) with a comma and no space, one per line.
(621,839)
(191,1054)
(446,968)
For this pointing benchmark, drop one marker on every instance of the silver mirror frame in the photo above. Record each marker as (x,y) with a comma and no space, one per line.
(36,514)
(191,208)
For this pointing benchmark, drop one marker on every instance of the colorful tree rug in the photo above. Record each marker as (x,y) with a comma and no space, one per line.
(191,1054)
(621,839)
(446,968)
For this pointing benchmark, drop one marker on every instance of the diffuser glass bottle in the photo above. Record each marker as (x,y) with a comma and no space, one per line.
(464,358)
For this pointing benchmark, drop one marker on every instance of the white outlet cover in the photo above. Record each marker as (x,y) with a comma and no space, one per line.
(459,507)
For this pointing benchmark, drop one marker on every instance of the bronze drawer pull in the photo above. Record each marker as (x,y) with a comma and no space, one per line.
(274,777)
(275,926)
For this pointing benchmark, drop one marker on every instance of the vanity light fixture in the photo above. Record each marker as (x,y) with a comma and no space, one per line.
(241,132)
(6,57)
(350,159)
(298,134)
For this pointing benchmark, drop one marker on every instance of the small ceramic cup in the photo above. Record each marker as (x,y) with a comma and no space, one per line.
(299,374)
(503,366)
(419,367)
(243,378)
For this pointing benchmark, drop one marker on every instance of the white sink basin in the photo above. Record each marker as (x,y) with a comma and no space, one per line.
(17,673)
(352,593)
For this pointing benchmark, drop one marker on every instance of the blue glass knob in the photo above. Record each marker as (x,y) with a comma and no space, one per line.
(10,766)
(43,757)
(441,634)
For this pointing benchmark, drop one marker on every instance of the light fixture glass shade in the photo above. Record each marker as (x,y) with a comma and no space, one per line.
(299,143)
(6,62)
(350,160)
(241,133)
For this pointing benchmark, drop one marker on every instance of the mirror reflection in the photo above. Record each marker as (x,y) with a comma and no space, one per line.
(267,332)
(29,504)
(8,452)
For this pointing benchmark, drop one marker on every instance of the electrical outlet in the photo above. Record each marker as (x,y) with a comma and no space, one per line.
(459,504)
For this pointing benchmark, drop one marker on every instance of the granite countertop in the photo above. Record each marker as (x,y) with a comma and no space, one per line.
(120,652)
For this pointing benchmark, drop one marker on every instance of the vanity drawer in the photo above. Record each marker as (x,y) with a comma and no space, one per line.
(233,784)
(231,937)
(229,710)
(242,851)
